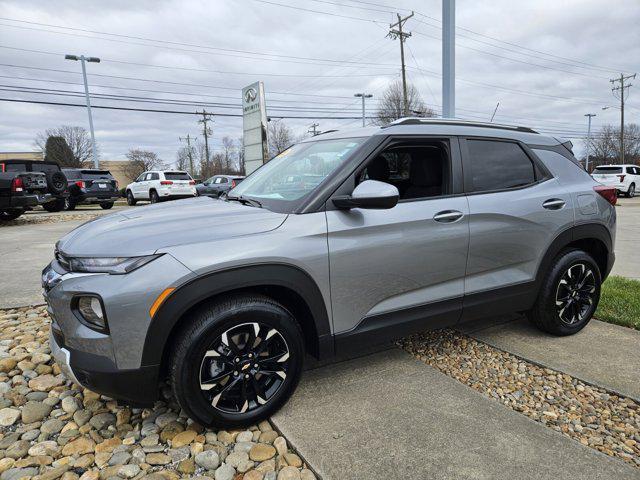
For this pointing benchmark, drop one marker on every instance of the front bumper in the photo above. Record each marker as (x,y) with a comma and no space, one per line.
(138,387)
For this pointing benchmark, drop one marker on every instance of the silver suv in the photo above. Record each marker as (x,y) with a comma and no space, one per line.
(343,241)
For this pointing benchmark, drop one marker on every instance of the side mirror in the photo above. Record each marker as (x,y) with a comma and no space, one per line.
(370,194)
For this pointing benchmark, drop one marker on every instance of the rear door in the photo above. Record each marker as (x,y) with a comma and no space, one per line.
(99,182)
(607,175)
(516,209)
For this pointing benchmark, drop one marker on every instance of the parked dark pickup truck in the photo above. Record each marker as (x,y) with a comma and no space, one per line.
(56,182)
(22,190)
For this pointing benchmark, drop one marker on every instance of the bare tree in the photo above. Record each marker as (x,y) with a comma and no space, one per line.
(280,137)
(604,146)
(228,155)
(182,158)
(391,106)
(140,161)
(240,146)
(78,140)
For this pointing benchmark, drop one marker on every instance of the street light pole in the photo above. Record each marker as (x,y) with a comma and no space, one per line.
(448,58)
(84,59)
(586,163)
(363,96)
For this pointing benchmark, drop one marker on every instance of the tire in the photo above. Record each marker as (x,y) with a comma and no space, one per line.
(557,310)
(131,201)
(55,206)
(632,191)
(56,182)
(70,204)
(153,196)
(8,215)
(106,205)
(236,317)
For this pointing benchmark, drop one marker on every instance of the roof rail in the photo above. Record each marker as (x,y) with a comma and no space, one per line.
(453,121)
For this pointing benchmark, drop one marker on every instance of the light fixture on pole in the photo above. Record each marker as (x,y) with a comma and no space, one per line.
(589,116)
(84,59)
(363,96)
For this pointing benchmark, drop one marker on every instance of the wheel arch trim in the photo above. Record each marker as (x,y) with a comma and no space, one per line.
(583,231)
(199,289)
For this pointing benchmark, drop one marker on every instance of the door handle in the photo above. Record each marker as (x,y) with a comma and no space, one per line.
(554,204)
(448,216)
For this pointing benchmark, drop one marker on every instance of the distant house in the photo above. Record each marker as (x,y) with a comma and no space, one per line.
(35,155)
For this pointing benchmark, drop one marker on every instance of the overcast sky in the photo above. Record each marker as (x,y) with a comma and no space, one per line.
(547,62)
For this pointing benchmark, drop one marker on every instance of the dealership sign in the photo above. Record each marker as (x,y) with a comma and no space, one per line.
(254,127)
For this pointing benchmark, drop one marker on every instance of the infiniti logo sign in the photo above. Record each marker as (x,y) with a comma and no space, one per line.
(250,95)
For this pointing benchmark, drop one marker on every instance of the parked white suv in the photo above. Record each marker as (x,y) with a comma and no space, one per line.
(158,185)
(625,178)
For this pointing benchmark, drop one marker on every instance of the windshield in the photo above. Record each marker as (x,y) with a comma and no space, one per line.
(292,175)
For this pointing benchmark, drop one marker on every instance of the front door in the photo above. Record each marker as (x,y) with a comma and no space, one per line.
(402,269)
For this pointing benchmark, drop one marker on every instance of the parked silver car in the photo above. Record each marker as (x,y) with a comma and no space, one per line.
(345,240)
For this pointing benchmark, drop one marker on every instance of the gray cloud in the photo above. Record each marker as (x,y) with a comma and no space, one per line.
(591,31)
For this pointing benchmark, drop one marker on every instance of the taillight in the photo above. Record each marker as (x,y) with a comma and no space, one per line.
(17,185)
(2,167)
(166,182)
(192,182)
(80,183)
(233,184)
(608,193)
(621,177)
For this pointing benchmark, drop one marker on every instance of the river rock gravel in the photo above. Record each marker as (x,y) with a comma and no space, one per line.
(590,415)
(52,429)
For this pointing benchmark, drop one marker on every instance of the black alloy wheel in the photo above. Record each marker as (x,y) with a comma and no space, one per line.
(236,360)
(575,296)
(244,367)
(153,196)
(131,201)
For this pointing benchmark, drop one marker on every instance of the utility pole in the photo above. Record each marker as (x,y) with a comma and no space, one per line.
(620,90)
(398,33)
(449,58)
(313,129)
(206,131)
(83,59)
(363,96)
(586,163)
(188,139)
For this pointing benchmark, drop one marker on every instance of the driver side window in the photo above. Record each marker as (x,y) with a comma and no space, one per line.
(419,170)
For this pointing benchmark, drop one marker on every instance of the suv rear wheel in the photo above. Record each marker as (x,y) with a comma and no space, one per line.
(153,196)
(632,190)
(106,205)
(237,361)
(131,201)
(569,294)
(7,215)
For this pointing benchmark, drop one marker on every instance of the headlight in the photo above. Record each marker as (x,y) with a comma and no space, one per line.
(113,265)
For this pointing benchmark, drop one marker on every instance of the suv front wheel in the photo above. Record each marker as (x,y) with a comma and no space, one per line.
(237,361)
(569,294)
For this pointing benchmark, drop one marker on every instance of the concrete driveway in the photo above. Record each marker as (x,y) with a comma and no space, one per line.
(627,238)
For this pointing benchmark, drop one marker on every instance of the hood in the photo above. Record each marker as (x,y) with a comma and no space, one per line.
(143,230)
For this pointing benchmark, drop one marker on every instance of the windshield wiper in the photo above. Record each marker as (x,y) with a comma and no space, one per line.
(245,201)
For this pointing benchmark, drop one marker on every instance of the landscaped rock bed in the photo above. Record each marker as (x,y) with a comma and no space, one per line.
(51,428)
(591,415)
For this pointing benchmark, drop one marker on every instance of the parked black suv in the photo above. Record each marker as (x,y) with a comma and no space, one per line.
(90,186)
(56,182)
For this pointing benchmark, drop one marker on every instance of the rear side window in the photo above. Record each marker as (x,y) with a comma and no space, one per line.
(177,176)
(45,167)
(497,165)
(607,170)
(14,167)
(96,174)
(71,173)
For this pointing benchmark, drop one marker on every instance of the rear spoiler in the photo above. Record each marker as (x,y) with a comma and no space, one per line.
(566,144)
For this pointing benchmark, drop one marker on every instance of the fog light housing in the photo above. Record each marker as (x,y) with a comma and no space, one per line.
(91,312)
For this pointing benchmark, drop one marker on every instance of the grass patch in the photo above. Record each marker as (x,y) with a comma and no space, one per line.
(620,302)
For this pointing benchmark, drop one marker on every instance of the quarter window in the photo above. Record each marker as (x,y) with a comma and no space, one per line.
(497,165)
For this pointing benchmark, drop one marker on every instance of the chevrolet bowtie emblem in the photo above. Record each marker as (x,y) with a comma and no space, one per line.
(244,367)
